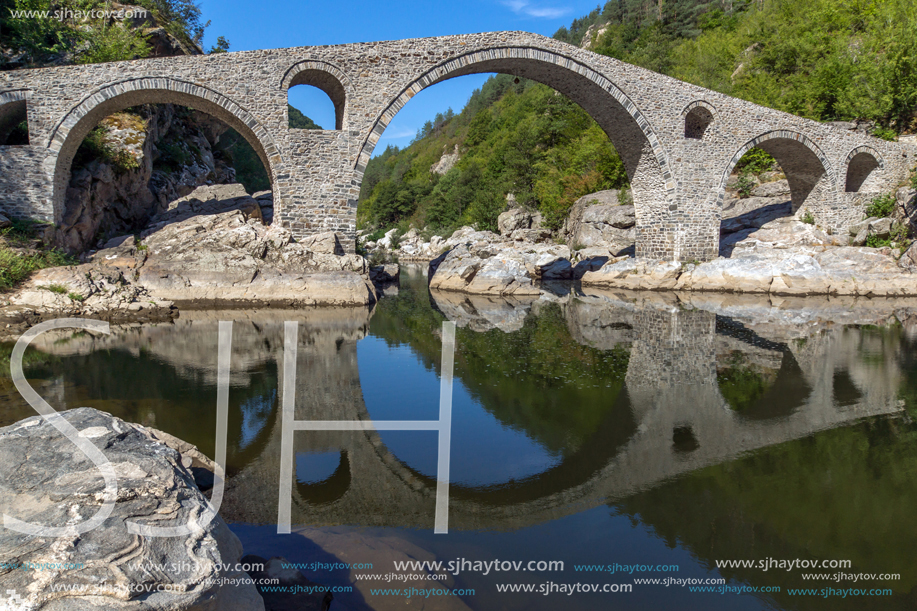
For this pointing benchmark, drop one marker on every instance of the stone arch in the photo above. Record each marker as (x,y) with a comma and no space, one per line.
(67,135)
(327,77)
(812,180)
(645,159)
(13,110)
(861,164)
(698,115)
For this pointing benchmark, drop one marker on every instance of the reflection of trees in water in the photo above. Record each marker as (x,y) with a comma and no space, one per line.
(538,380)
(141,388)
(846,493)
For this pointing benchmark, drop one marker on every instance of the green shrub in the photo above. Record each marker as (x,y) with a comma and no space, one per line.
(56,288)
(172,155)
(95,146)
(885,134)
(882,206)
(807,218)
(112,43)
(897,236)
(16,266)
(756,161)
(376,235)
(745,184)
(376,258)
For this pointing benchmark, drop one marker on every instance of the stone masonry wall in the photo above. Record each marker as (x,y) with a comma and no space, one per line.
(678,181)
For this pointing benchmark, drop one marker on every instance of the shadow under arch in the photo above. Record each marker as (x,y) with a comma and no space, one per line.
(13,110)
(644,157)
(69,132)
(812,180)
(862,163)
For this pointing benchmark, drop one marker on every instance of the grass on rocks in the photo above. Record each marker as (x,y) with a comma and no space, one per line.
(20,258)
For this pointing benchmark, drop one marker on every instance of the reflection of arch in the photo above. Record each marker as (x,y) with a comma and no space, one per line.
(807,169)
(698,117)
(861,162)
(69,133)
(578,469)
(13,111)
(634,138)
(788,392)
(329,489)
(327,77)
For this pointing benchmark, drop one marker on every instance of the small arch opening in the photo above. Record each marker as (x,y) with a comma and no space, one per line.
(683,440)
(859,170)
(310,108)
(14,124)
(696,122)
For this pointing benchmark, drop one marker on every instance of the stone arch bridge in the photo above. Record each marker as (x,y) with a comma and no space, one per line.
(679,142)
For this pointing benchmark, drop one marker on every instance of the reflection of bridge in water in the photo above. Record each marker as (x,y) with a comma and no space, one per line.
(681,420)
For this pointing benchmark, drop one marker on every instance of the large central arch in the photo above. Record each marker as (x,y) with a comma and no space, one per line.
(67,135)
(644,157)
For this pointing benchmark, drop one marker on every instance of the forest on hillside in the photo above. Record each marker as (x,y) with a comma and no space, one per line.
(819,59)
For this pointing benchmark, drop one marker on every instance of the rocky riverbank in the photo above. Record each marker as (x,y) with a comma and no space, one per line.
(208,249)
(764,248)
(784,257)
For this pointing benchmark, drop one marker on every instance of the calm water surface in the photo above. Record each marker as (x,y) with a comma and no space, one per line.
(587,429)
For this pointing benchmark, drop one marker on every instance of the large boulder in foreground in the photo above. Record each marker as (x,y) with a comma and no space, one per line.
(46,480)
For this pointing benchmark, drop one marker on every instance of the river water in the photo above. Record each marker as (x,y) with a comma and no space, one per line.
(661,433)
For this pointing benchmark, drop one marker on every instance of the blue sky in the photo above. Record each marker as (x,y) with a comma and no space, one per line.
(285,23)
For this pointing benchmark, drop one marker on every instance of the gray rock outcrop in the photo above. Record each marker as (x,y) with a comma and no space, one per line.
(171,155)
(485,263)
(446,162)
(603,219)
(209,248)
(785,257)
(50,483)
(521,224)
